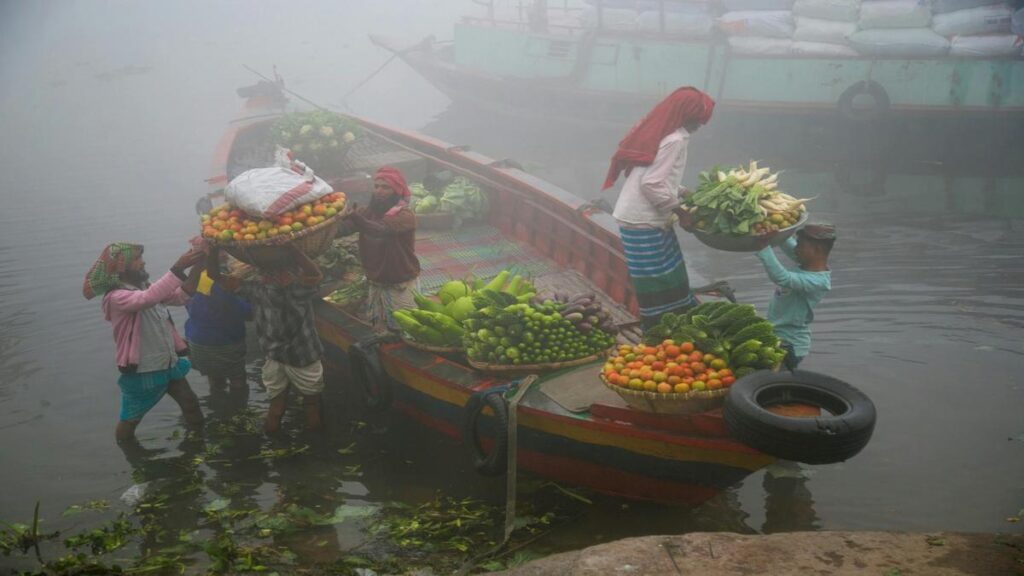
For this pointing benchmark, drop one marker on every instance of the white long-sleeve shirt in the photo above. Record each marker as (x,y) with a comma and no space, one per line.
(652,192)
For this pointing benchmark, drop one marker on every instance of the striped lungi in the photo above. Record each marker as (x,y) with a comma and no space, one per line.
(658,270)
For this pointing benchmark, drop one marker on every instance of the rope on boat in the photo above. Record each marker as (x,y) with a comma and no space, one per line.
(518,389)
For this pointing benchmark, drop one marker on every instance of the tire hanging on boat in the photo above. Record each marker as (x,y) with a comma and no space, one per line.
(878,110)
(840,432)
(370,378)
(496,462)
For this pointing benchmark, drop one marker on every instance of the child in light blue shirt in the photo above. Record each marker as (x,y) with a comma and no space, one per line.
(799,290)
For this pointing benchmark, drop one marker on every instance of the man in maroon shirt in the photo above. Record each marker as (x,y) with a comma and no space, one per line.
(387,248)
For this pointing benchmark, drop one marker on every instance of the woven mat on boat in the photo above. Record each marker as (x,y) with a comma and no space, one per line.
(577,389)
(476,250)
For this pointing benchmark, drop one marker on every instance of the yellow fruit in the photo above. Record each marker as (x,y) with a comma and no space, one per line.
(665,388)
(681,388)
(284,230)
(636,384)
(226,234)
(265,225)
(296,226)
(249,236)
(272,232)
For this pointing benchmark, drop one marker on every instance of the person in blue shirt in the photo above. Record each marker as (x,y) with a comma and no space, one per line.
(799,290)
(215,331)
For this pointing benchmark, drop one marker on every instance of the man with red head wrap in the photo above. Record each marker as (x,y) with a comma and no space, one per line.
(387,247)
(653,156)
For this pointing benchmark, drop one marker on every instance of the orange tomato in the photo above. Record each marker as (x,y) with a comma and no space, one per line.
(696,356)
(237,236)
(319,209)
(714,384)
(300,216)
(672,351)
(728,380)
(650,359)
(650,350)
(657,366)
(664,388)
(285,221)
(223,215)
(673,380)
(686,347)
(697,367)
(687,371)
(235,214)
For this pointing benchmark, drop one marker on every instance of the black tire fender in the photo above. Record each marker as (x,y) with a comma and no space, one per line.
(839,433)
(496,462)
(877,110)
(370,378)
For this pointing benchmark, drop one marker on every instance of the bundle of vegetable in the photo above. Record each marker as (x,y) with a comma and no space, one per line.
(731,332)
(461,197)
(352,293)
(431,321)
(506,332)
(341,260)
(742,202)
(319,138)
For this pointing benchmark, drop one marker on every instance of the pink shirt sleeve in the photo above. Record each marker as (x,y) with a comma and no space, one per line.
(657,184)
(164,289)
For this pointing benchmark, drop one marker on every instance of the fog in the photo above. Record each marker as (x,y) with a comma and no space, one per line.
(110,112)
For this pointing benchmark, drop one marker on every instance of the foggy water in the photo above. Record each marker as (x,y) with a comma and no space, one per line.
(110,112)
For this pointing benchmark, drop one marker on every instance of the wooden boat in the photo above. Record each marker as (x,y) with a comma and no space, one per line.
(542,62)
(572,429)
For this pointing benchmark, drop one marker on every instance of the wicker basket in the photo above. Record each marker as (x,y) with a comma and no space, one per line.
(532,368)
(748,243)
(271,253)
(658,403)
(433,349)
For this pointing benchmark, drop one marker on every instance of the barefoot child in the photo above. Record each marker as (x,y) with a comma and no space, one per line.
(149,350)
(799,290)
(282,306)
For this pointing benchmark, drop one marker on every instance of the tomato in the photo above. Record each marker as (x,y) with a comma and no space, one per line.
(697,367)
(223,215)
(650,359)
(657,366)
(300,216)
(667,343)
(718,363)
(650,350)
(687,371)
(728,380)
(235,214)
(672,351)
(709,357)
(673,380)
(681,388)
(725,372)
(285,221)
(714,384)
(686,347)
(696,356)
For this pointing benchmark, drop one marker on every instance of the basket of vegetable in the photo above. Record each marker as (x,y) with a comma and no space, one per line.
(320,138)
(508,335)
(260,242)
(692,402)
(458,201)
(742,210)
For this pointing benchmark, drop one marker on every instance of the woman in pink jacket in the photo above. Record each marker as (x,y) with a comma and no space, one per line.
(150,353)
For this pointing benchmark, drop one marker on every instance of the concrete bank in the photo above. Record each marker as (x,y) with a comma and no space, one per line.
(804,553)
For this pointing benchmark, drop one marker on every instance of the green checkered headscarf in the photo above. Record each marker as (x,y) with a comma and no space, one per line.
(105,274)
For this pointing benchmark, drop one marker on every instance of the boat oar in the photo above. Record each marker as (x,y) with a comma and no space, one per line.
(520,388)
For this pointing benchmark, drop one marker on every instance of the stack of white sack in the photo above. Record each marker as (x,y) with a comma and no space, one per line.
(824,27)
(685,19)
(619,16)
(976,31)
(897,28)
(759,32)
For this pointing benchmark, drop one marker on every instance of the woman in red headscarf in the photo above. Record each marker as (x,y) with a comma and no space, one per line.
(387,248)
(653,156)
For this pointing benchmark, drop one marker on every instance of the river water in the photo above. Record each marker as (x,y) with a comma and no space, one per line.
(111,112)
